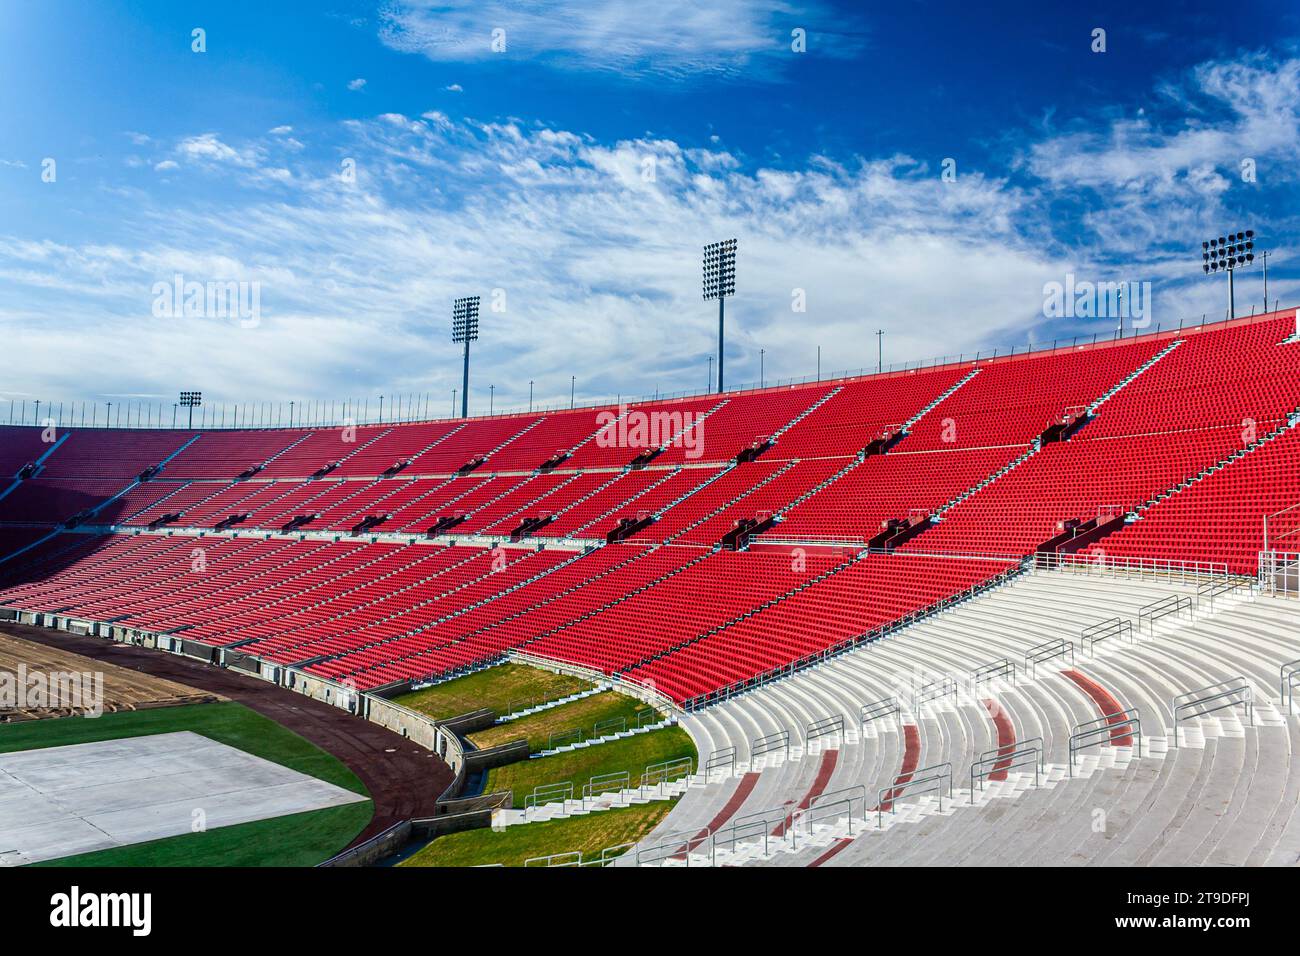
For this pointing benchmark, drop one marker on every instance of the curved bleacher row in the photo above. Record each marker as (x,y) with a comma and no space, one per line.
(696,546)
(1226,792)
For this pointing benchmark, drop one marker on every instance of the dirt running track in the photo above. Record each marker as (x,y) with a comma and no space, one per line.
(403,778)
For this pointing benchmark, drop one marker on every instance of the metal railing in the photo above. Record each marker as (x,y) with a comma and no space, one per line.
(770,742)
(1288,681)
(1174,604)
(616,725)
(936,689)
(885,707)
(726,757)
(1108,728)
(658,774)
(1212,698)
(760,823)
(1279,573)
(1090,637)
(825,727)
(675,845)
(617,781)
(548,793)
(1048,650)
(578,858)
(1185,572)
(1001,668)
(926,780)
(1014,756)
(1211,590)
(563,737)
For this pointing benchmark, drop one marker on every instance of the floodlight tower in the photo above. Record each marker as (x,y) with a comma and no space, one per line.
(1227,254)
(464,328)
(720,282)
(191,400)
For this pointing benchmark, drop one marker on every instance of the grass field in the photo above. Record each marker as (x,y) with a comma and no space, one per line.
(302,839)
(580,714)
(512,846)
(632,754)
(495,687)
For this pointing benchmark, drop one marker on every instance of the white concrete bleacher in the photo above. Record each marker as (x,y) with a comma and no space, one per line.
(1227,794)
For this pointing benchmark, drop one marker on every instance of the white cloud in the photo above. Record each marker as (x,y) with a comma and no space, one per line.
(167,164)
(454,88)
(357,84)
(281,130)
(631,37)
(596,250)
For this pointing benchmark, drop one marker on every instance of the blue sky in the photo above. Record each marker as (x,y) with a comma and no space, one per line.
(363,163)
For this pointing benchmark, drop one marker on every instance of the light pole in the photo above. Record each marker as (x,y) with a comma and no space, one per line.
(880,351)
(453,403)
(720,282)
(530,394)
(1226,254)
(464,328)
(1263,257)
(492,394)
(761,377)
(710,381)
(573,384)
(191,400)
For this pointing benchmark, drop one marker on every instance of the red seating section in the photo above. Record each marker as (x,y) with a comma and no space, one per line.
(1190,437)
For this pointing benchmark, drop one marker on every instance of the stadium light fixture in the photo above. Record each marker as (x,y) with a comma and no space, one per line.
(191,400)
(464,328)
(720,282)
(1228,254)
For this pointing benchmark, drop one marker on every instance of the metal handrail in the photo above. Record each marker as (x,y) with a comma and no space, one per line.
(658,774)
(1007,757)
(1002,667)
(674,844)
(1093,733)
(1061,647)
(930,778)
(544,792)
(1221,695)
(936,689)
(1288,680)
(816,811)
(824,727)
(885,707)
(1090,637)
(720,758)
(1173,604)
(743,826)
(606,783)
(769,742)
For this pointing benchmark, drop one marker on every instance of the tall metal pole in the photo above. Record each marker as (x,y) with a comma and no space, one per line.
(1264,257)
(464,385)
(880,351)
(721,300)
(1232,302)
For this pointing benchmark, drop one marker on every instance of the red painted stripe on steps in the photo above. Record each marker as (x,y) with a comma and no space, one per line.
(833,849)
(911,760)
(738,797)
(824,771)
(1106,703)
(1006,738)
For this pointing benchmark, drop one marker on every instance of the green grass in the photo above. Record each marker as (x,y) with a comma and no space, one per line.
(495,687)
(513,845)
(581,714)
(301,839)
(632,754)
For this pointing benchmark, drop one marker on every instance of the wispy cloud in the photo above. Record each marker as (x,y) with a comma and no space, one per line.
(587,253)
(670,38)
